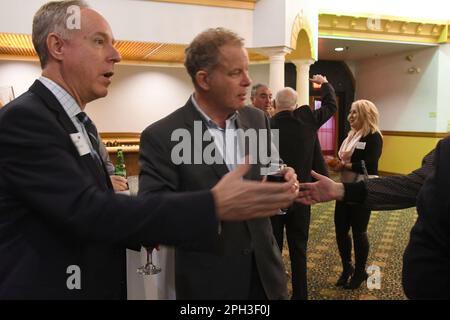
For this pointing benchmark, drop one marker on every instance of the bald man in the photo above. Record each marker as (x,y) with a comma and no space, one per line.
(300,149)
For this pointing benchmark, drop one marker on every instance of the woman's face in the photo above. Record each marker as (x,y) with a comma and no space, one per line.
(354,118)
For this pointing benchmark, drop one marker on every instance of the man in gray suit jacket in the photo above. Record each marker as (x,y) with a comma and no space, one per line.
(245,263)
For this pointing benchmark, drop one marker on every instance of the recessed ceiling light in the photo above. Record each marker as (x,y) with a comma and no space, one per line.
(339,49)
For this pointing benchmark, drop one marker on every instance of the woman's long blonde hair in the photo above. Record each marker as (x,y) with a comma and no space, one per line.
(369,116)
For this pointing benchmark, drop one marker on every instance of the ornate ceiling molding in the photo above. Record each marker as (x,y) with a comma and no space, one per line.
(383,28)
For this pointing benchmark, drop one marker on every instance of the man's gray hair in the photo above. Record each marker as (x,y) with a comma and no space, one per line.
(255,88)
(286,98)
(52,17)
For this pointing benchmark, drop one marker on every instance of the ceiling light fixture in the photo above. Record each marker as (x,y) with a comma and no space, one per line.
(339,49)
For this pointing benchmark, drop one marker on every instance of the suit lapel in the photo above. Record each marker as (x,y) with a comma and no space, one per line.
(53,104)
(191,115)
(243,122)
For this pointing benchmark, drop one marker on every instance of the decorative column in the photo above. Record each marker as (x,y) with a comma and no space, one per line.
(276,74)
(302,89)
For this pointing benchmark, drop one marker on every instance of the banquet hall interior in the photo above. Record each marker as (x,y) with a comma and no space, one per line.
(393,53)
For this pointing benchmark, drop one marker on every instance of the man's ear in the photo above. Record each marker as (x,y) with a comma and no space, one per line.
(201,77)
(55,46)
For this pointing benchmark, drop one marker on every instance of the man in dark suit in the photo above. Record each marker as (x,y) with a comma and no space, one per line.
(300,149)
(426,261)
(246,262)
(63,231)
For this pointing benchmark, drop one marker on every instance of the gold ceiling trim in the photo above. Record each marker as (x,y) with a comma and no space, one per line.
(132,52)
(383,28)
(236,4)
(20,47)
(16,44)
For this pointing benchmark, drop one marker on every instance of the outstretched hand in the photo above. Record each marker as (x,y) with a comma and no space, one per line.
(319,79)
(323,190)
(239,199)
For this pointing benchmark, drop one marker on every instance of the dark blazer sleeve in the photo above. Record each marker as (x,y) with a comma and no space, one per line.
(157,172)
(390,192)
(46,180)
(398,192)
(329,105)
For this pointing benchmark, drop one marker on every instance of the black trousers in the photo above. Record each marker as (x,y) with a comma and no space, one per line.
(356,217)
(296,221)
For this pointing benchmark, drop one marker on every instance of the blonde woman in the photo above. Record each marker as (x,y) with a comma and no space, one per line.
(359,154)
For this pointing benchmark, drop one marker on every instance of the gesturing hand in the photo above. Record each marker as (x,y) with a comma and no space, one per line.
(318,78)
(323,190)
(239,199)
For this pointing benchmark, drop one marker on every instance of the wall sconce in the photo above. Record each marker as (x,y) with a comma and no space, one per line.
(413,70)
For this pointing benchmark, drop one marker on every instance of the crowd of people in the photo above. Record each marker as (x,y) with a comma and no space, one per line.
(64,231)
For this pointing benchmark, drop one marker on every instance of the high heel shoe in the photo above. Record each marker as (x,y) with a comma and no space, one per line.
(356,281)
(345,275)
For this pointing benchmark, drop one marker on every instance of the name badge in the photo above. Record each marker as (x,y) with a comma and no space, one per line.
(80,143)
(361,145)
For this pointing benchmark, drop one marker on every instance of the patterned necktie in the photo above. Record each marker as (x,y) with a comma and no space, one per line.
(93,135)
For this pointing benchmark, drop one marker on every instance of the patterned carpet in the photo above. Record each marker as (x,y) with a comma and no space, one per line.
(388,236)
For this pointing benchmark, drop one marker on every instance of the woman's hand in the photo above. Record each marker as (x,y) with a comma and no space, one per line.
(335,164)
